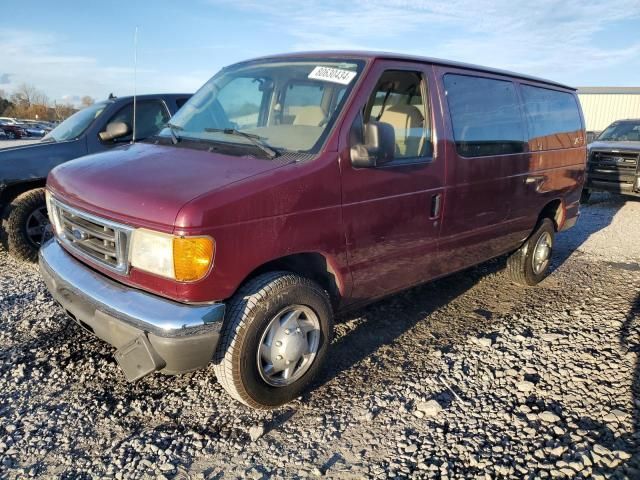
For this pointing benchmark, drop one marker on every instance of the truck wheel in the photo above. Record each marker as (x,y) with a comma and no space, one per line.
(529,264)
(24,224)
(585,196)
(274,339)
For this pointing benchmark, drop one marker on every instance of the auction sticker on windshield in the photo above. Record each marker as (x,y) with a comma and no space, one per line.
(335,75)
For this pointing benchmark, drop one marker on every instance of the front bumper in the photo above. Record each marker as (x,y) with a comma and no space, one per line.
(151,333)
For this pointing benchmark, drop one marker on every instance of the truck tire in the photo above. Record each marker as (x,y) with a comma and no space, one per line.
(529,264)
(24,224)
(274,339)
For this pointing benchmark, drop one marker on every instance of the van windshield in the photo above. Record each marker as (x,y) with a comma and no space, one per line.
(285,105)
(76,124)
(621,132)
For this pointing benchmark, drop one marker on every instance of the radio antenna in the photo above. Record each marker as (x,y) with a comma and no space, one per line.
(135,78)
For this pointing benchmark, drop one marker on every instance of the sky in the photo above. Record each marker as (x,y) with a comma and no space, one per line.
(72,48)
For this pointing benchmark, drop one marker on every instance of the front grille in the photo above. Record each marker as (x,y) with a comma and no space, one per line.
(618,167)
(97,239)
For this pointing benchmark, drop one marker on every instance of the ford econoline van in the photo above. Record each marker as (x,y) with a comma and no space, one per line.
(293,187)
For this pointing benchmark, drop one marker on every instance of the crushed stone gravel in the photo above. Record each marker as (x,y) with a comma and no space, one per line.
(467,377)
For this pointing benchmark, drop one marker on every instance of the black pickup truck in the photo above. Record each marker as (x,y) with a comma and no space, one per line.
(613,162)
(24,170)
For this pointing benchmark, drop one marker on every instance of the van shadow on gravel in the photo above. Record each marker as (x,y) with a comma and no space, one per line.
(630,341)
(384,321)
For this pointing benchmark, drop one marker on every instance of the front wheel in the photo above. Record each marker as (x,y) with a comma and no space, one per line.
(529,264)
(274,339)
(24,224)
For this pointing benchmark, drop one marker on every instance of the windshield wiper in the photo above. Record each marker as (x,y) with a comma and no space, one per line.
(254,139)
(175,138)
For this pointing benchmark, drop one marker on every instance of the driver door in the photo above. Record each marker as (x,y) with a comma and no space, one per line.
(392,213)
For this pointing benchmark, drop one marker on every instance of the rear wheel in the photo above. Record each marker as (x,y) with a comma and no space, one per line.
(11,135)
(24,224)
(529,264)
(274,339)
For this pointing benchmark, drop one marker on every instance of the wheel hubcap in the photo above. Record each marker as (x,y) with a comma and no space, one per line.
(542,253)
(36,226)
(288,345)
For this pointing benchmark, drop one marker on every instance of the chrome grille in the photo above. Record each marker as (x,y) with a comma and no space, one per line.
(97,239)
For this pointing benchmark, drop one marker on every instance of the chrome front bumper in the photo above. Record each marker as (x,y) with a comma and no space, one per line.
(151,333)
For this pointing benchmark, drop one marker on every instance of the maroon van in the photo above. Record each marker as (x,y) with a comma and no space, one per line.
(293,187)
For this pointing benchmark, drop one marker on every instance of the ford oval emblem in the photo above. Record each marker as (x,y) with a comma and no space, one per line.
(79,234)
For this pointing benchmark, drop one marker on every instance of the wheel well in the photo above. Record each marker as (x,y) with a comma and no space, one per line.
(555,211)
(313,266)
(12,191)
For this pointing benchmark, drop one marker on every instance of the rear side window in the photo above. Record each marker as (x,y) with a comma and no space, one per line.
(553,117)
(485,114)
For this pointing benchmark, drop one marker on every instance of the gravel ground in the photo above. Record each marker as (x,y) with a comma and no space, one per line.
(467,377)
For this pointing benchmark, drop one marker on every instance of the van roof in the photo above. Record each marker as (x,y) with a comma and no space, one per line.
(372,55)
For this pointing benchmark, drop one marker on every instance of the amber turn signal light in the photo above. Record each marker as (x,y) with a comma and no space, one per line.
(192,257)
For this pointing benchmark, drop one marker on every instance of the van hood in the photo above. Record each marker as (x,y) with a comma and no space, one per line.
(627,146)
(146,184)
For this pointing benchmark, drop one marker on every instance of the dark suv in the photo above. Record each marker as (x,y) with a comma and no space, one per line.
(24,170)
(613,160)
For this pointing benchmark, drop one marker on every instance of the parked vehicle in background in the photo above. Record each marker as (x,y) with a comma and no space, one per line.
(23,170)
(613,163)
(9,120)
(12,130)
(34,130)
(293,187)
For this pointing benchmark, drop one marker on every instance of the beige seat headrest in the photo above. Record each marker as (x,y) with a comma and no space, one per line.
(311,115)
(408,124)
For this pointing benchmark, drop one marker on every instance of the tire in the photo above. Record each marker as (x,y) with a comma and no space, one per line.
(585,196)
(24,211)
(237,362)
(521,266)
(11,135)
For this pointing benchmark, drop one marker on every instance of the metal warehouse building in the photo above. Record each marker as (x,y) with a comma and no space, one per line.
(603,105)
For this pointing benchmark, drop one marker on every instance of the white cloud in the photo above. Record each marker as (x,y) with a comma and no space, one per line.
(548,37)
(33,58)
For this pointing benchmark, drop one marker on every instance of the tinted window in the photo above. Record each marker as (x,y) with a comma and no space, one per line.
(554,118)
(398,101)
(150,118)
(181,101)
(485,114)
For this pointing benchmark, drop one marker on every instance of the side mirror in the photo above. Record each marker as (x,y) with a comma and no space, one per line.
(378,148)
(114,131)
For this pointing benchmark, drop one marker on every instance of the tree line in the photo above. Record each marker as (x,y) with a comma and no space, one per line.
(28,102)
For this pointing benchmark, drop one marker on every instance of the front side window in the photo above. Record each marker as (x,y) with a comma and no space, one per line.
(621,132)
(553,117)
(76,124)
(485,114)
(398,100)
(287,105)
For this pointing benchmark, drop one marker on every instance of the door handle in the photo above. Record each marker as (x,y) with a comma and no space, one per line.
(436,204)
(534,179)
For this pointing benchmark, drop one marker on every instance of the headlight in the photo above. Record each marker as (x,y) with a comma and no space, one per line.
(185,259)
(52,212)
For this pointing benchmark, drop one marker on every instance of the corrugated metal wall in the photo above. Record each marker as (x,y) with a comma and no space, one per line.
(600,109)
